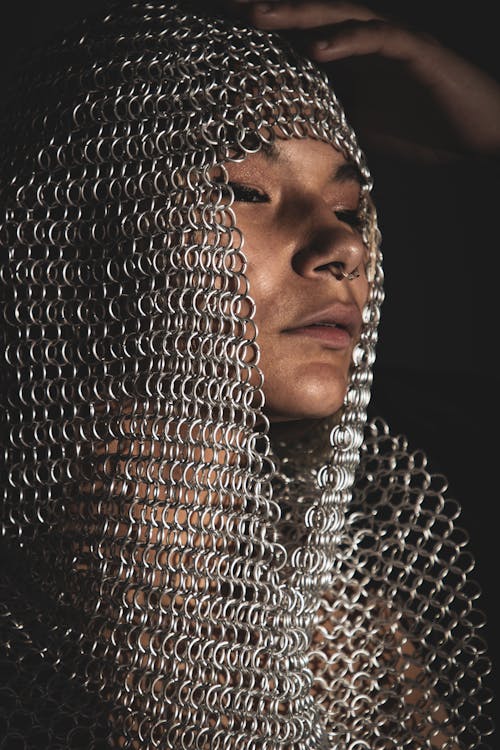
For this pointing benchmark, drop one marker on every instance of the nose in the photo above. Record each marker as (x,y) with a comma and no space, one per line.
(325,243)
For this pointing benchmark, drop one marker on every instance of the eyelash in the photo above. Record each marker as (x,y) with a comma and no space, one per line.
(351,217)
(246,194)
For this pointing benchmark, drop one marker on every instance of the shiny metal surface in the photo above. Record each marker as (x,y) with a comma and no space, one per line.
(171,579)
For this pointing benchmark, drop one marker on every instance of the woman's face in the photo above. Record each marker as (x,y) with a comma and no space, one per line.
(296,205)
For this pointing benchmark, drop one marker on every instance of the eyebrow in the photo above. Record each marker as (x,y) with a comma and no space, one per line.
(270,150)
(346,172)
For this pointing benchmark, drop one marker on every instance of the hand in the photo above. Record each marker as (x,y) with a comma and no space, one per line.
(403,91)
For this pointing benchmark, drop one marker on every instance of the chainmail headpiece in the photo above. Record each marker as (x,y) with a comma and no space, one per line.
(170,578)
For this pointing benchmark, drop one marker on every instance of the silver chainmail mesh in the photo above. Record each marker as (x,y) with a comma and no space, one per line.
(171,578)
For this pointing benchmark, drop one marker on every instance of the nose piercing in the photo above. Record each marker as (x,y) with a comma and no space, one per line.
(340,274)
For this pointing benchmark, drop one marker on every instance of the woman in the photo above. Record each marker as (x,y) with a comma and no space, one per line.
(206,546)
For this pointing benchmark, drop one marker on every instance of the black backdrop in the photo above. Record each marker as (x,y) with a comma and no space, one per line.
(436,374)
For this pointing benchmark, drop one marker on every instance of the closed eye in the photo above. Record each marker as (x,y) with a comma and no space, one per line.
(351,217)
(247,194)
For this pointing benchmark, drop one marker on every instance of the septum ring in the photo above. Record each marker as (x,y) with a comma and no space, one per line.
(340,274)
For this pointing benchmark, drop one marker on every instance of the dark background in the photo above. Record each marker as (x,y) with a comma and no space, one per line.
(436,377)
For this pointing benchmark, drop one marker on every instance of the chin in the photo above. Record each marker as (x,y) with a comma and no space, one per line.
(306,398)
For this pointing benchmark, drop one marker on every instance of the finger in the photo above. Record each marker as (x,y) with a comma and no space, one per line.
(379,37)
(305,15)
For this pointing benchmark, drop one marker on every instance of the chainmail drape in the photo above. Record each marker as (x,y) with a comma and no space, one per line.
(170,579)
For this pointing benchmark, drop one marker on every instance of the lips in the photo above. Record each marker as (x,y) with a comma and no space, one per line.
(334,327)
(338,317)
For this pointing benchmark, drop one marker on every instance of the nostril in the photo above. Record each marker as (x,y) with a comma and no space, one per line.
(334,267)
(337,269)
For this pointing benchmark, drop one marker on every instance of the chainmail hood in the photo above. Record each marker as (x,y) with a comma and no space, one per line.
(171,579)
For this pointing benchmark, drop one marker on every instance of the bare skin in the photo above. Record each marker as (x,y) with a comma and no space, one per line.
(464,121)
(297,209)
(412,96)
(292,215)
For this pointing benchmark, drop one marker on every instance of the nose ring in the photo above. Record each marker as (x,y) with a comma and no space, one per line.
(340,274)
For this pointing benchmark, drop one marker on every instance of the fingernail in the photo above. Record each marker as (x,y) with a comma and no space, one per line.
(322,44)
(264,8)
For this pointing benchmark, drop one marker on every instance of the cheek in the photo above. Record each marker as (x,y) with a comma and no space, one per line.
(267,283)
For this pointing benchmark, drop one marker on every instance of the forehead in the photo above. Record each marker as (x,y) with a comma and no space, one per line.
(299,156)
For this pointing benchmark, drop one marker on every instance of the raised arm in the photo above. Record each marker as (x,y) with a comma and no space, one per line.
(405,92)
